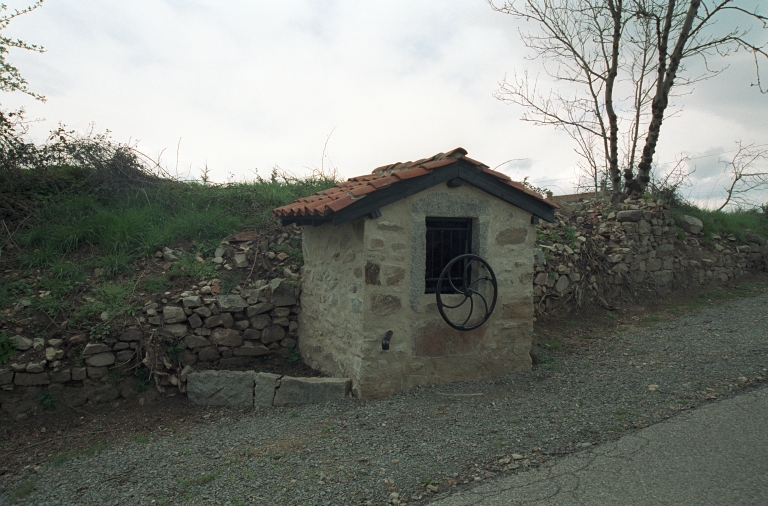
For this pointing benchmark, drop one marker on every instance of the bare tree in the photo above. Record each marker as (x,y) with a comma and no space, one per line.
(599,50)
(690,25)
(749,174)
(579,45)
(10,77)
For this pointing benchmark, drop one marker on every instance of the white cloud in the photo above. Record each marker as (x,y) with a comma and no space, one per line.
(248,85)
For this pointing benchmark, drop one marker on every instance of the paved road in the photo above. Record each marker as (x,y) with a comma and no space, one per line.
(715,455)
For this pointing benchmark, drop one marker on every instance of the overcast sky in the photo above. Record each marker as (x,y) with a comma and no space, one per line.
(241,86)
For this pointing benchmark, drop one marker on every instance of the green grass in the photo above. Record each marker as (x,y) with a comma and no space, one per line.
(129,224)
(51,305)
(725,223)
(23,490)
(40,258)
(188,266)
(112,298)
(11,290)
(67,271)
(116,263)
(140,438)
(155,284)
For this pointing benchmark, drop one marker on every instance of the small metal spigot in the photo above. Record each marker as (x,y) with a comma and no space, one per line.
(385,342)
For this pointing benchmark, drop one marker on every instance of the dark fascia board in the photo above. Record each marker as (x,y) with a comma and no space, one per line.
(398,191)
(509,194)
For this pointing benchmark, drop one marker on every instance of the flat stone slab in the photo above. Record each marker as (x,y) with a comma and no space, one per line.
(299,391)
(221,388)
(264,389)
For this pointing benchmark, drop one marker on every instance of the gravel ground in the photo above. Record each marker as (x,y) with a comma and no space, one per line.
(420,445)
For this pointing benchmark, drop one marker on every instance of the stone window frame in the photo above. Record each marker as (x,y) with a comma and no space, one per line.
(443,205)
(467,247)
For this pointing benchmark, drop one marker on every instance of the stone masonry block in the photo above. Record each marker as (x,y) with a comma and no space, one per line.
(264,388)
(221,388)
(299,391)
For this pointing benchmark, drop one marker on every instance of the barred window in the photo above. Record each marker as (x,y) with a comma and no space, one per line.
(447,238)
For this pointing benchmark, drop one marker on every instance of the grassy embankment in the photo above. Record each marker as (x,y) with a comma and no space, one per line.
(73,223)
(80,218)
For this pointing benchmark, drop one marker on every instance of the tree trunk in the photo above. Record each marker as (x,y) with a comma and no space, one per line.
(613,123)
(637,185)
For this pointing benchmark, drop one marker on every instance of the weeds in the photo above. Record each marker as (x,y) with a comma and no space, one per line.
(201,480)
(294,356)
(111,298)
(155,284)
(94,449)
(67,271)
(174,351)
(228,283)
(552,345)
(649,321)
(113,264)
(77,355)
(23,490)
(7,348)
(39,258)
(47,400)
(51,305)
(99,332)
(64,457)
(145,379)
(9,290)
(188,266)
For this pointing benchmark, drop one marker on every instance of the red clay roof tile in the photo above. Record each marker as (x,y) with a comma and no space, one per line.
(345,193)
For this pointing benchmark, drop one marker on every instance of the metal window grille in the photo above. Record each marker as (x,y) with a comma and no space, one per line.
(447,238)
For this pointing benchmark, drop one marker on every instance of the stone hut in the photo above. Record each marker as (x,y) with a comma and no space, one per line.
(374,247)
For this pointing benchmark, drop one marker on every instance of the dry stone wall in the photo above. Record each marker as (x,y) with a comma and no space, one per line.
(195,330)
(597,254)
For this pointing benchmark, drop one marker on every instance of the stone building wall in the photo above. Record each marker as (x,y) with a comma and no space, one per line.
(388,275)
(330,323)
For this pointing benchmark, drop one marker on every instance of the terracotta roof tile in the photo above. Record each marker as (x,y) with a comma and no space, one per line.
(410,173)
(343,194)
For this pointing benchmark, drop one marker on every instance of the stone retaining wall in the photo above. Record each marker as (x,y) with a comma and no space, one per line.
(597,254)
